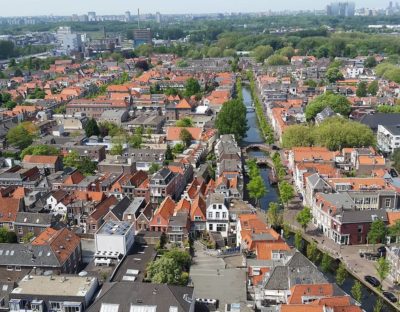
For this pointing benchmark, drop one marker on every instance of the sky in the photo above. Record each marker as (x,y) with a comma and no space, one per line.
(69,7)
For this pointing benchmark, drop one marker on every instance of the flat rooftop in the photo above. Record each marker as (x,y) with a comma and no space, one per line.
(63,285)
(114,228)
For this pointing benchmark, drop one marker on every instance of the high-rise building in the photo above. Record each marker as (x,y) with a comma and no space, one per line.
(142,36)
(127,16)
(341,9)
(69,42)
(158,17)
(92,16)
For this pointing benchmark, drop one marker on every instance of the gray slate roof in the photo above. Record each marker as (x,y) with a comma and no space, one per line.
(126,294)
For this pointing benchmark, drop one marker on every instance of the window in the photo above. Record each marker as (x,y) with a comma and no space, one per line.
(31,229)
(367,201)
(217,215)
(72,309)
(210,215)
(219,206)
(158,220)
(224,215)
(210,227)
(20,231)
(17,268)
(55,306)
(388,202)
(221,227)
(10,268)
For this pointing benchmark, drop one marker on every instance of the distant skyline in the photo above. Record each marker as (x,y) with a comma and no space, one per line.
(101,7)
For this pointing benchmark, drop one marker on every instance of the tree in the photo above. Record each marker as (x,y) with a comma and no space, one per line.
(362,89)
(382,268)
(91,128)
(341,274)
(40,150)
(377,232)
(83,164)
(28,237)
(326,263)
(178,148)
(186,137)
(117,149)
(7,236)
(370,62)
(136,141)
(185,122)
(277,60)
(20,137)
(261,53)
(18,73)
(192,87)
(373,88)
(232,119)
(304,218)
(256,188)
(274,216)
(378,305)
(142,65)
(338,103)
(171,268)
(168,154)
(296,136)
(312,252)
(356,291)
(334,74)
(298,240)
(154,167)
(286,192)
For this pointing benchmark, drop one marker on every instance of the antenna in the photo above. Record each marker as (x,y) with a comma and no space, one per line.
(138,18)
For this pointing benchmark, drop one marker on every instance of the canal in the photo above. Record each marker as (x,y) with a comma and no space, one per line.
(254,136)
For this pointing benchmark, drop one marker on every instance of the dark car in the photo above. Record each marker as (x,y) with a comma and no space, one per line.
(390,296)
(382,251)
(372,280)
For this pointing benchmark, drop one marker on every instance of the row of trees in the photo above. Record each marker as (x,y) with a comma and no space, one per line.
(232,117)
(256,186)
(334,133)
(265,127)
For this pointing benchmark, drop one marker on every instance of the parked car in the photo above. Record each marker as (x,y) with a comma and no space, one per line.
(390,296)
(372,280)
(382,251)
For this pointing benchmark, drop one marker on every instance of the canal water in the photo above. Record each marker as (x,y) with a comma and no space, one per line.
(254,136)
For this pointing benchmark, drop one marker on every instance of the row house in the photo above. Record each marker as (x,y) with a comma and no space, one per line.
(94,108)
(32,223)
(9,209)
(46,164)
(165,183)
(337,216)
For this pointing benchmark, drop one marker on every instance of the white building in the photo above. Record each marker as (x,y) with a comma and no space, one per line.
(69,41)
(388,138)
(217,214)
(114,238)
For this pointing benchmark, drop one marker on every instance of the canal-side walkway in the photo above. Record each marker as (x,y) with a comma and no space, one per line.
(348,254)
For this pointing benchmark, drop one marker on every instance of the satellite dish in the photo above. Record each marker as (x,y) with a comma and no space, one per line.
(47,273)
(82,273)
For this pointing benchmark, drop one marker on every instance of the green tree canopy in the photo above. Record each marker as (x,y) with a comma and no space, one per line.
(341,274)
(91,128)
(185,122)
(361,89)
(356,291)
(338,103)
(334,74)
(192,87)
(313,253)
(256,188)
(382,268)
(326,263)
(186,137)
(83,164)
(373,88)
(40,150)
(286,192)
(277,60)
(304,218)
(261,53)
(377,232)
(232,119)
(370,62)
(20,136)
(7,236)
(154,167)
(274,216)
(297,135)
